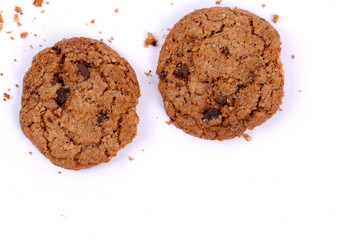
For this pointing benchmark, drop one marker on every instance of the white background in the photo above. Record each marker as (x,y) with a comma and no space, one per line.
(298,178)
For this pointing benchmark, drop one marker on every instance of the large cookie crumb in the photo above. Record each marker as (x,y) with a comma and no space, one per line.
(275,18)
(38,3)
(150,40)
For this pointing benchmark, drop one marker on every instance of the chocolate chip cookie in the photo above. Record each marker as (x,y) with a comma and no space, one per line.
(220,72)
(79,103)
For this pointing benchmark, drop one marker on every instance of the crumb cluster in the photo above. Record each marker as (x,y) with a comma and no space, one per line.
(150,40)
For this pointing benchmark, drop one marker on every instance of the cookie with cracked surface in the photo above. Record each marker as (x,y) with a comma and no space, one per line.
(220,72)
(79,103)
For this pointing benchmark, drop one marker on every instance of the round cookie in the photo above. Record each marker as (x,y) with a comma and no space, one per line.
(79,103)
(220,72)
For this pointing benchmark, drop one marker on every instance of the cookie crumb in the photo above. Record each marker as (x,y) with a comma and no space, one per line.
(18,10)
(59,172)
(17,85)
(275,18)
(280,109)
(292,56)
(1,21)
(8,32)
(169,122)
(15,60)
(247,137)
(142,149)
(16,19)
(9,90)
(92,21)
(111,39)
(12,38)
(7,96)
(299,90)
(1,74)
(218,2)
(150,40)
(130,158)
(148,73)
(38,3)
(116,10)
(263,5)
(171,3)
(31,46)
(30,153)
(24,35)
(47,2)
(42,11)
(100,32)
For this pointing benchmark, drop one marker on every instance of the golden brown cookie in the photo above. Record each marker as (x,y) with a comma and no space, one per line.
(79,103)
(220,72)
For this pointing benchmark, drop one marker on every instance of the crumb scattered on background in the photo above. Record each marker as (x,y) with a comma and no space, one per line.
(292,56)
(275,18)
(16,19)
(100,32)
(15,60)
(111,39)
(130,158)
(12,38)
(169,122)
(18,10)
(116,10)
(299,90)
(7,96)
(101,40)
(218,2)
(1,21)
(59,172)
(31,46)
(280,109)
(148,73)
(171,3)
(17,85)
(247,137)
(30,153)
(8,32)
(24,35)
(38,3)
(42,11)
(142,149)
(1,74)
(263,5)
(47,2)
(9,89)
(150,40)
(92,21)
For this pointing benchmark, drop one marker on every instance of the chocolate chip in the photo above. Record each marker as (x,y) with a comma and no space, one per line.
(162,75)
(212,113)
(225,51)
(221,99)
(57,79)
(102,117)
(62,96)
(182,71)
(83,70)
(56,49)
(50,120)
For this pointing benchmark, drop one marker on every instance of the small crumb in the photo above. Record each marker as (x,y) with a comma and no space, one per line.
(1,21)
(31,46)
(8,32)
(42,11)
(9,90)
(7,96)
(16,19)
(130,158)
(101,40)
(40,45)
(38,3)
(280,109)
(275,18)
(100,32)
(116,10)
(247,137)
(35,34)
(142,149)
(148,73)
(150,40)
(263,5)
(5,99)
(292,56)
(1,74)
(92,21)
(218,2)
(47,2)
(12,38)
(17,85)
(24,35)
(30,153)
(18,10)
(15,60)
(59,172)
(299,90)
(171,3)
(111,39)
(169,122)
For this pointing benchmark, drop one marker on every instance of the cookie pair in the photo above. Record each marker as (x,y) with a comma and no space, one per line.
(219,74)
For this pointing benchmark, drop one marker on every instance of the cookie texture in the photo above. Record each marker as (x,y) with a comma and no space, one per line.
(220,72)
(79,103)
